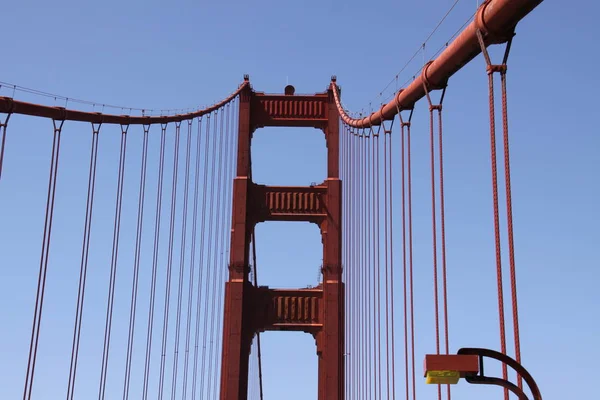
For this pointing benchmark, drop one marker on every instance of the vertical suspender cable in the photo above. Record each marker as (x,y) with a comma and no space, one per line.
(193,266)
(228,165)
(216,257)
(378,264)
(258,333)
(136,264)
(497,229)
(387,267)
(352,263)
(41,286)
(202,293)
(355,268)
(391,206)
(3,126)
(490,72)
(370,270)
(509,218)
(443,237)
(210,246)
(405,158)
(373,192)
(181,260)
(357,295)
(157,220)
(404,275)
(165,332)
(113,267)
(410,258)
(361,264)
(84,262)
(344,247)
(438,107)
(348,264)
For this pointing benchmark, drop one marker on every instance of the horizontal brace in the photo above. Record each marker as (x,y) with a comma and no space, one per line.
(297,214)
(292,123)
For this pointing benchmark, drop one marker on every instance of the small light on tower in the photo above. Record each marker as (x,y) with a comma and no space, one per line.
(289,90)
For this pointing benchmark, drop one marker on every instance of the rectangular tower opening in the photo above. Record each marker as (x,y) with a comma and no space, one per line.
(289,156)
(289,255)
(289,366)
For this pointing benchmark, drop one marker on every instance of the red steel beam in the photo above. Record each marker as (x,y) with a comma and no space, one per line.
(463,364)
(496,19)
(10,106)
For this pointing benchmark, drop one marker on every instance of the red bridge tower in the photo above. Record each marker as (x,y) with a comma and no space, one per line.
(318,311)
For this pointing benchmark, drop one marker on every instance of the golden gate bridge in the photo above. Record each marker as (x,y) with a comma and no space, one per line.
(204,309)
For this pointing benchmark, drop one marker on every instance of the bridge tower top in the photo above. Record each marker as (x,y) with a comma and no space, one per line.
(249,309)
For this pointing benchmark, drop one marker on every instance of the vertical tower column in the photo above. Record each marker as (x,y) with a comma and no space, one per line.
(318,311)
(237,335)
(330,341)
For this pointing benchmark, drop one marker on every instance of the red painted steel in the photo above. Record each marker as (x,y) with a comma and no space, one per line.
(289,203)
(463,364)
(496,18)
(318,311)
(237,331)
(288,110)
(289,310)
(11,106)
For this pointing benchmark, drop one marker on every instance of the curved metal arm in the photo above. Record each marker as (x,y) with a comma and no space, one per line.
(484,380)
(503,358)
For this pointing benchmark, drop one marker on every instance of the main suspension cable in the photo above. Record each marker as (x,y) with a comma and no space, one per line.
(419,50)
(147,116)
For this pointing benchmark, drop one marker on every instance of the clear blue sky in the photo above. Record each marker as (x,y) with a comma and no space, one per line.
(158,55)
